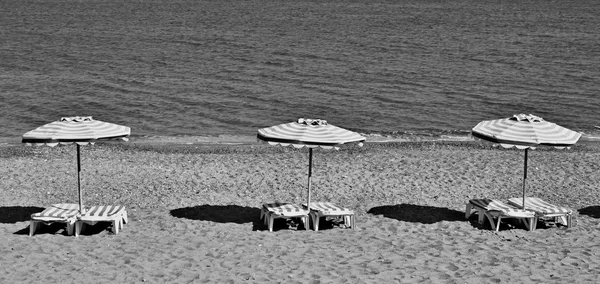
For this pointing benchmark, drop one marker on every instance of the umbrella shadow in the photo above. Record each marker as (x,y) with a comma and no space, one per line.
(591,211)
(417,213)
(222,214)
(14,214)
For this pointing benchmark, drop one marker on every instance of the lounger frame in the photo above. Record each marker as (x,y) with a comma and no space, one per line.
(328,209)
(115,214)
(57,213)
(501,211)
(271,211)
(544,209)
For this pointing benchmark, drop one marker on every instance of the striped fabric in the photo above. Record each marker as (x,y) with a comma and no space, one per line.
(539,206)
(285,209)
(57,212)
(115,214)
(60,213)
(102,212)
(309,133)
(328,208)
(80,130)
(501,207)
(524,131)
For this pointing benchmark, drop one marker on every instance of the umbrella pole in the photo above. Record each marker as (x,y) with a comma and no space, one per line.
(525,176)
(79,179)
(310,152)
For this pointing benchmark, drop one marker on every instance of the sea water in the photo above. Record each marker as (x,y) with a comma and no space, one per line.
(198,68)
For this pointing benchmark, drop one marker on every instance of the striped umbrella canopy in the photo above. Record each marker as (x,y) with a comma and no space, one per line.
(524,132)
(79,130)
(309,133)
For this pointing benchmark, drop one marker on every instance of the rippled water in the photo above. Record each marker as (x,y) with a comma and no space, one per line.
(197,68)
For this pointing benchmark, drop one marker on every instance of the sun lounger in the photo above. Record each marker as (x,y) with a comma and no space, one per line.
(328,209)
(56,213)
(115,214)
(544,209)
(491,209)
(270,212)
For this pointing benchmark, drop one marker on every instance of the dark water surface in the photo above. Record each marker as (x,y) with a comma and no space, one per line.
(202,68)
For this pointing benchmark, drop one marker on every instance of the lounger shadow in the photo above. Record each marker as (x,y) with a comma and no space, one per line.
(221,214)
(417,213)
(14,214)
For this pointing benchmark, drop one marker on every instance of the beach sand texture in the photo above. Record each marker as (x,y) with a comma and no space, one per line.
(194,214)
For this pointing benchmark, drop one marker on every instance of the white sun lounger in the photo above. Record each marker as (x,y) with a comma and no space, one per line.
(271,211)
(56,213)
(544,209)
(328,209)
(491,209)
(115,214)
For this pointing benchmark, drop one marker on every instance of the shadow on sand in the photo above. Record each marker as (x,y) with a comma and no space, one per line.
(418,213)
(51,229)
(591,211)
(14,214)
(222,214)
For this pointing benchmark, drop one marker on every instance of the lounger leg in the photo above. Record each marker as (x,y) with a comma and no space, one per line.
(563,219)
(491,219)
(270,222)
(264,216)
(32,227)
(468,211)
(78,227)
(481,213)
(121,223)
(316,220)
(125,220)
(348,221)
(527,222)
(116,225)
(531,223)
(70,228)
(267,217)
(306,222)
(498,223)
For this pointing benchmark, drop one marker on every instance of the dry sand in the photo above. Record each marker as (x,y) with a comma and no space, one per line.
(194,217)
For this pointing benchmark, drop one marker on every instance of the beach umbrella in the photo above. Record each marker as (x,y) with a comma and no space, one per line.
(78,130)
(525,132)
(309,133)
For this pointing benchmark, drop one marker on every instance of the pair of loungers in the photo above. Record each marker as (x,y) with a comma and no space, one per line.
(535,209)
(69,215)
(271,211)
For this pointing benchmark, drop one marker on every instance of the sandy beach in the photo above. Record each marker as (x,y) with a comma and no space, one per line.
(194,214)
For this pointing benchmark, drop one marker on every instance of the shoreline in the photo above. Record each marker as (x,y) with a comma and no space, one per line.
(249,140)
